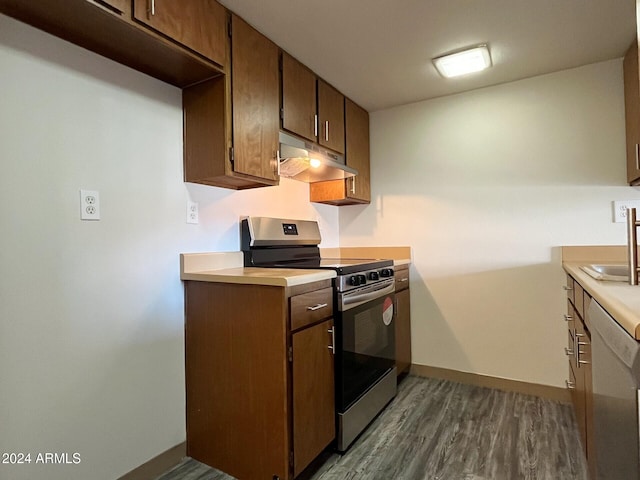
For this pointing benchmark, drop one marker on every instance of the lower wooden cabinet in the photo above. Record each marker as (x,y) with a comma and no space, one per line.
(260,394)
(579,353)
(313,393)
(403,320)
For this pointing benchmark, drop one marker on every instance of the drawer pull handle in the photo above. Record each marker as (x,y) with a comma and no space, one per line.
(568,352)
(567,288)
(570,385)
(583,362)
(317,307)
(568,318)
(403,280)
(332,347)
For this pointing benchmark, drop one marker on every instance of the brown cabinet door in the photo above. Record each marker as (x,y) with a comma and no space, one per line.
(313,393)
(255,85)
(298,98)
(197,24)
(357,150)
(632,113)
(330,117)
(403,331)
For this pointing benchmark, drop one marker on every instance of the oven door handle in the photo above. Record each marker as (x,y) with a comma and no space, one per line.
(349,300)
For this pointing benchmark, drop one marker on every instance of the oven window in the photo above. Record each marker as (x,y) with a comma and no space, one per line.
(367,348)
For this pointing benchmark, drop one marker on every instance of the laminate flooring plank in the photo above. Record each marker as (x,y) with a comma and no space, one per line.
(441,430)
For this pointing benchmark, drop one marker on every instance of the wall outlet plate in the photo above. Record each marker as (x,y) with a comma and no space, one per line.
(620,209)
(192,212)
(89,205)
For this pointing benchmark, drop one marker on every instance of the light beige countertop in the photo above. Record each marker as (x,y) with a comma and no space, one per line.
(227,267)
(280,277)
(399,255)
(619,299)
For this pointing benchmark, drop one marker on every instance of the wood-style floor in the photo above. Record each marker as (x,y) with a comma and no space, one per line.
(441,430)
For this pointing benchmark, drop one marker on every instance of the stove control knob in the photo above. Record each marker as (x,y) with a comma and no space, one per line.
(362,279)
(386,272)
(374,276)
(354,280)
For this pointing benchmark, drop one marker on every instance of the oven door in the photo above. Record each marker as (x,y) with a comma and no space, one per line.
(365,340)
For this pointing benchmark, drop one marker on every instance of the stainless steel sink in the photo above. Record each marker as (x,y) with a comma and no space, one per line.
(612,273)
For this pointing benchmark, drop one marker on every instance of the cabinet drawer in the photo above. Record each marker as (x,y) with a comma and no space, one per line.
(402,279)
(311,307)
(569,288)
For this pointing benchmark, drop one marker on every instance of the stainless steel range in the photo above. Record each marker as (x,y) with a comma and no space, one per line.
(364,300)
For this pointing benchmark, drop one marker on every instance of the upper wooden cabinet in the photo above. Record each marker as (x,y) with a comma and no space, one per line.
(299,108)
(632,113)
(197,24)
(255,92)
(331,117)
(107,27)
(357,151)
(231,122)
(355,190)
(311,107)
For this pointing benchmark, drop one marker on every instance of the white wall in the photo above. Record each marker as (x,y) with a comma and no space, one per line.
(91,313)
(484,186)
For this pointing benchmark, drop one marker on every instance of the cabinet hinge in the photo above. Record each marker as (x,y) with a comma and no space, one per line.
(282,114)
(231,158)
(291,459)
(229,26)
(290,354)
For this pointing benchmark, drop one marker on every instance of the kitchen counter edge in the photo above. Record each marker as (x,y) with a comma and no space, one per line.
(619,299)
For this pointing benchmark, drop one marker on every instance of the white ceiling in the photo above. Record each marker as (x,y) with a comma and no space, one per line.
(378,52)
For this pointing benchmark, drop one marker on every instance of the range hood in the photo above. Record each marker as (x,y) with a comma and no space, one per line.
(308,162)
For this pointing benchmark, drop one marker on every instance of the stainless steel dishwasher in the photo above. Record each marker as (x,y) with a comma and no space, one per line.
(616,397)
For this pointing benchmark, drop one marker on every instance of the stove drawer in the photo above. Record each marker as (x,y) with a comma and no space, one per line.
(311,307)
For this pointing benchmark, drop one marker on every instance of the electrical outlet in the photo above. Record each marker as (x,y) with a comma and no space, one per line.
(89,205)
(620,209)
(192,212)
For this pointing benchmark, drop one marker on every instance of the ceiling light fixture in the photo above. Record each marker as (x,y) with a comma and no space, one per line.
(464,61)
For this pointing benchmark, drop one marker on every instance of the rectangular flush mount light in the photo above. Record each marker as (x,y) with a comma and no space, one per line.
(462,62)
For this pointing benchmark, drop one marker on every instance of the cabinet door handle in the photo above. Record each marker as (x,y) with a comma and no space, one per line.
(570,385)
(326,131)
(567,318)
(332,347)
(315,125)
(637,156)
(568,352)
(403,280)
(317,307)
(152,7)
(567,288)
(353,185)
